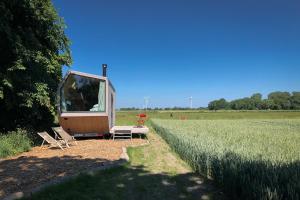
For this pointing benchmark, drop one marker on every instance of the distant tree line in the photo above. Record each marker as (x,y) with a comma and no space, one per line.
(275,101)
(183,108)
(129,108)
(160,108)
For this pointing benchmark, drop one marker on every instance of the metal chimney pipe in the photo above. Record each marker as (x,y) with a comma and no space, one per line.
(104,68)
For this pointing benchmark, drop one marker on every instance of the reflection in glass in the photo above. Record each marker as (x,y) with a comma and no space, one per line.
(80,93)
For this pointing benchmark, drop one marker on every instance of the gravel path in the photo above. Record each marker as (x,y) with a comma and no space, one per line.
(39,166)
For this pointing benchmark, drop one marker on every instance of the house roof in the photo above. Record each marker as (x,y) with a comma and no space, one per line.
(88,75)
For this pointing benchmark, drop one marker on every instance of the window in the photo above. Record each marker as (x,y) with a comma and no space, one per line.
(80,93)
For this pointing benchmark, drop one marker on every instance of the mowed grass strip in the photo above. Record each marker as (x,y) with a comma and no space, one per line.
(250,159)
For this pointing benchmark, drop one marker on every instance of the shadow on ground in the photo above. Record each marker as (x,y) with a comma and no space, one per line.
(128,182)
(121,182)
(27,173)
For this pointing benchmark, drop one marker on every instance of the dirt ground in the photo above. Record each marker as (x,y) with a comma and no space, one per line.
(38,166)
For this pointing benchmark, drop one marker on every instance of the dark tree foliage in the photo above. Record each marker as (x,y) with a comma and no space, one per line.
(256,100)
(282,100)
(218,104)
(33,48)
(295,101)
(267,104)
(243,104)
(275,101)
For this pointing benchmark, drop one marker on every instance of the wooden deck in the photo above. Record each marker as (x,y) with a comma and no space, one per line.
(134,129)
(128,131)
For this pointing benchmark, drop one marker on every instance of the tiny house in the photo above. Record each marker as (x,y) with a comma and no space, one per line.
(86,104)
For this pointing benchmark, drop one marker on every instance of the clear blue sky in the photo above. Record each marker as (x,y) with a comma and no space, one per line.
(172,49)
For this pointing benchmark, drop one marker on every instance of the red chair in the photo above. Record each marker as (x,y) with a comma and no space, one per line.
(141,119)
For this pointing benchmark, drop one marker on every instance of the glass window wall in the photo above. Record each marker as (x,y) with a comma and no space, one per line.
(80,93)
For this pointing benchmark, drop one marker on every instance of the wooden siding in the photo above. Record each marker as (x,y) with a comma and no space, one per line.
(83,124)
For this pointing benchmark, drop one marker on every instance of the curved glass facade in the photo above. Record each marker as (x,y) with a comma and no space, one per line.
(82,94)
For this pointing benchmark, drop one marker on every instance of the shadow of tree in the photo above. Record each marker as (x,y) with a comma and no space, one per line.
(28,172)
(134,183)
(32,173)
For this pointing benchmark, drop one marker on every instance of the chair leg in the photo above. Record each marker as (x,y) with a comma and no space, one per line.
(60,146)
(42,143)
(67,144)
(74,140)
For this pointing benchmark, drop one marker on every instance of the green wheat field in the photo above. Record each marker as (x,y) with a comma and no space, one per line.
(250,158)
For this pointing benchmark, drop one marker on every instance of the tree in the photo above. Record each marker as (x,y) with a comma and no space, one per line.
(267,104)
(33,48)
(242,104)
(218,104)
(256,97)
(256,100)
(295,101)
(281,100)
(275,101)
(236,104)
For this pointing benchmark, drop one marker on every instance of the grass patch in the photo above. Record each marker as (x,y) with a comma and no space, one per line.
(250,159)
(14,142)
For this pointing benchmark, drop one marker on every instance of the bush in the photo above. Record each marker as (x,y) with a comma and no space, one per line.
(14,142)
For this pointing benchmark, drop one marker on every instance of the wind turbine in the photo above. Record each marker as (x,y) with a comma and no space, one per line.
(146,100)
(191,102)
